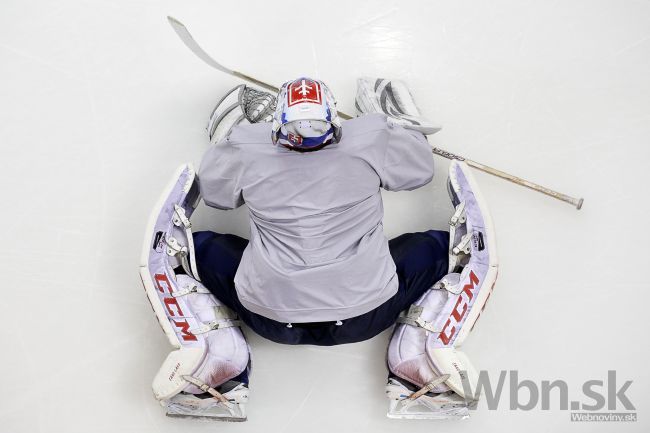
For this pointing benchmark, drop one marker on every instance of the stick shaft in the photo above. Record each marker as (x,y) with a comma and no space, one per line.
(576,202)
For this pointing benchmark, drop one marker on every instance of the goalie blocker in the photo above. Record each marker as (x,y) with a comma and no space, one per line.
(430,377)
(393,98)
(207,373)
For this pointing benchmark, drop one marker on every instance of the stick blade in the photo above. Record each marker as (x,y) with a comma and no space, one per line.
(190,43)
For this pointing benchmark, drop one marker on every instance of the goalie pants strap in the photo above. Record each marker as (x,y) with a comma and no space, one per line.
(421,260)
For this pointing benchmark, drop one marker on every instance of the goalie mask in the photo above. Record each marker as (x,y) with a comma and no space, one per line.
(305,118)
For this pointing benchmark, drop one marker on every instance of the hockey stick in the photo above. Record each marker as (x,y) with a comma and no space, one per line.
(190,43)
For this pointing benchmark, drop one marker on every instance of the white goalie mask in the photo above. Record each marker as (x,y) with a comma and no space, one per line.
(305,117)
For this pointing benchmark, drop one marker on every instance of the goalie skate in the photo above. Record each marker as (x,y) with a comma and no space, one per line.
(430,377)
(207,374)
(431,405)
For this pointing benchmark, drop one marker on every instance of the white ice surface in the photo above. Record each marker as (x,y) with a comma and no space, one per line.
(100,102)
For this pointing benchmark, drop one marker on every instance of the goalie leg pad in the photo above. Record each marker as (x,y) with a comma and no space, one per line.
(168,244)
(194,380)
(423,348)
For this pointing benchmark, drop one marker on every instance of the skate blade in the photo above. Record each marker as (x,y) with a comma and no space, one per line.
(446,405)
(207,417)
(192,406)
(423,409)
(236,413)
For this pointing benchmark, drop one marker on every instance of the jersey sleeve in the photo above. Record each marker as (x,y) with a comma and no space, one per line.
(407,161)
(220,176)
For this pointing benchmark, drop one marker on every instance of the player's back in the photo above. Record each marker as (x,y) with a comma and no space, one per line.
(317,250)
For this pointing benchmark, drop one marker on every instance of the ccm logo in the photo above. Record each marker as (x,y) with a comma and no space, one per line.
(173,309)
(459,310)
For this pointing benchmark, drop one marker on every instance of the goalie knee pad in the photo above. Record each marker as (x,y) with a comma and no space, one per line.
(207,373)
(430,376)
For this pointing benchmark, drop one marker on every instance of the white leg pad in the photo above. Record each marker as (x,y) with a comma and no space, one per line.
(423,349)
(407,357)
(216,351)
(178,364)
(459,368)
(195,379)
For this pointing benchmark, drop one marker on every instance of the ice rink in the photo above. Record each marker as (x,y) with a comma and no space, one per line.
(100,102)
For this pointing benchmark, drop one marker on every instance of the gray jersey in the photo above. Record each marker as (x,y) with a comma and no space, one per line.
(317,250)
